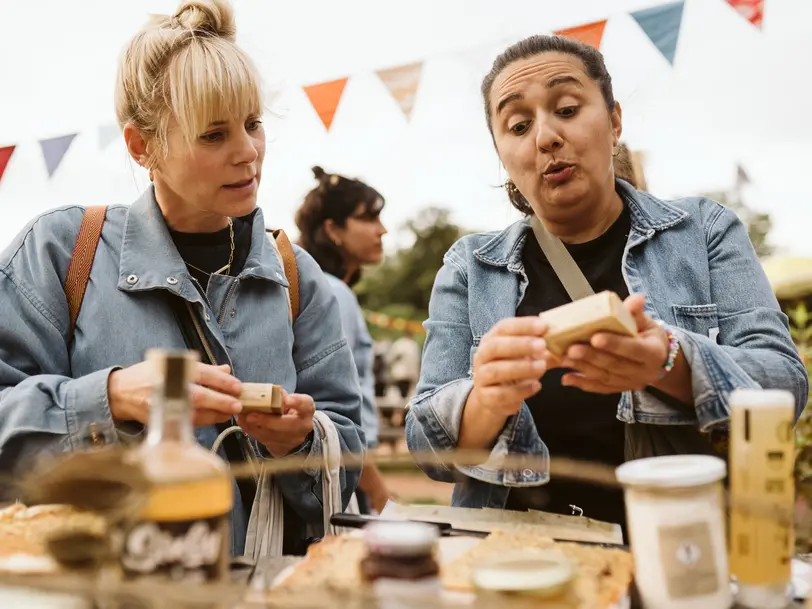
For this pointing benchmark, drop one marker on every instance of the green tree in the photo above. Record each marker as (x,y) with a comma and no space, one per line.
(401,285)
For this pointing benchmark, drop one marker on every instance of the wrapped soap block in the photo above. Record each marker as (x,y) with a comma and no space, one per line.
(577,321)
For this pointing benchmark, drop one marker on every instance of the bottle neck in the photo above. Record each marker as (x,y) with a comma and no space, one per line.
(170,420)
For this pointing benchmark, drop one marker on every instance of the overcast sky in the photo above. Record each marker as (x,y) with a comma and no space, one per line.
(734,95)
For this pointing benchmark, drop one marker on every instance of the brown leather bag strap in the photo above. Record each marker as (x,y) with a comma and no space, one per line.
(291,269)
(84,251)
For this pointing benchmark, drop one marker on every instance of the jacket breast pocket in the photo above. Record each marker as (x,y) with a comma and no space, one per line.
(699,319)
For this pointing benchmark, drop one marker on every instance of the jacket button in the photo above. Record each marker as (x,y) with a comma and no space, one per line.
(528,473)
(132,279)
(171,280)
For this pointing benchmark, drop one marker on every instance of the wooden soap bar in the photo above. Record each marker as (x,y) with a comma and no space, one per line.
(577,321)
(265,398)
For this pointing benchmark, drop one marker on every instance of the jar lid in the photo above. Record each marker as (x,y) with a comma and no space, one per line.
(532,571)
(673,471)
(401,538)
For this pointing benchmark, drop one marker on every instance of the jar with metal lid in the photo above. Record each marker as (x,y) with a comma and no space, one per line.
(400,551)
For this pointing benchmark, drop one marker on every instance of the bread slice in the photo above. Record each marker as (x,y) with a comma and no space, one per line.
(603,575)
(577,321)
(24,532)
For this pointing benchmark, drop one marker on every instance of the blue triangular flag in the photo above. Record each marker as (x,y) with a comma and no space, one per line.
(54,150)
(661,24)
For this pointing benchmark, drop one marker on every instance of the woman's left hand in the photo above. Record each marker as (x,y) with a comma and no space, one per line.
(612,363)
(280,434)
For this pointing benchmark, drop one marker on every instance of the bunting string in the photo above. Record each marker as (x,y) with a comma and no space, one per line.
(661,24)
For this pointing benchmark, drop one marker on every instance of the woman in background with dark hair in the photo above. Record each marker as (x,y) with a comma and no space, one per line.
(340,227)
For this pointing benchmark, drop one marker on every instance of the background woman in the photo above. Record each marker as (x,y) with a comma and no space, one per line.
(708,321)
(189,102)
(341,228)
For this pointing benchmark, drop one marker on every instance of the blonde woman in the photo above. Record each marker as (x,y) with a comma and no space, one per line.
(189,103)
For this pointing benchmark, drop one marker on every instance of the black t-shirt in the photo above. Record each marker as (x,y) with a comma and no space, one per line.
(573,423)
(209,252)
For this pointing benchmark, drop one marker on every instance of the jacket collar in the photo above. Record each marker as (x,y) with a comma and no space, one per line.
(150,260)
(648,214)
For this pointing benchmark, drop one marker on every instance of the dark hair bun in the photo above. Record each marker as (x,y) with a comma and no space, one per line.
(319,173)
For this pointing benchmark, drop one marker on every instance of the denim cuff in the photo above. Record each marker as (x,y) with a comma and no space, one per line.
(87,402)
(439,413)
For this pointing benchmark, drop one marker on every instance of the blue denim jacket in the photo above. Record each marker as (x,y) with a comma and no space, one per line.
(361,344)
(693,260)
(50,391)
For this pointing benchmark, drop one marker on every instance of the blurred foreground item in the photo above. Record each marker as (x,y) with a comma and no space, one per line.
(762,456)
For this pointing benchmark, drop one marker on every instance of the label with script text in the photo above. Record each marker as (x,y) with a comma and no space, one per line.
(192,550)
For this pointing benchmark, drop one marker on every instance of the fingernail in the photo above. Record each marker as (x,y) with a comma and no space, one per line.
(539,345)
(236,407)
(566,380)
(539,364)
(540,325)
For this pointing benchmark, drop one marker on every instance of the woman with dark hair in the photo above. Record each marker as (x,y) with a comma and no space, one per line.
(707,319)
(340,226)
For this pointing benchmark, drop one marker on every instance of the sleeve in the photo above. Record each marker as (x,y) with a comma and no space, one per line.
(42,409)
(446,379)
(754,349)
(326,372)
(352,321)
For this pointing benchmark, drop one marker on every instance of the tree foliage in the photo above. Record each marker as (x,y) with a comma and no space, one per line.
(401,285)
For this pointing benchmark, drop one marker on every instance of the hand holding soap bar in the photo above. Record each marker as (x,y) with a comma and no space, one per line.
(577,321)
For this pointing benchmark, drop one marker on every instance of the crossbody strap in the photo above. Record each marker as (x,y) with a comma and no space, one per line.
(81,262)
(564,265)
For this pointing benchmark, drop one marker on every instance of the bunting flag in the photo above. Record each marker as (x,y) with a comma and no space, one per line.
(107,135)
(54,150)
(5,155)
(589,33)
(661,24)
(752,10)
(325,97)
(402,83)
(741,176)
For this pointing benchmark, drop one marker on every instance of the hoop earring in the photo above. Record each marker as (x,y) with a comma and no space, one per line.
(510,187)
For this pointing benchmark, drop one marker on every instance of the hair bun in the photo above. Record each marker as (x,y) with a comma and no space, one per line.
(209,17)
(319,173)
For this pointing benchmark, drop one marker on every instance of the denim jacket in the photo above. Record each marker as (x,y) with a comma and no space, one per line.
(692,259)
(50,391)
(361,345)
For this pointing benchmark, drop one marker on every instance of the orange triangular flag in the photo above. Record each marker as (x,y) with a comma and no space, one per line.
(325,97)
(5,156)
(402,83)
(589,33)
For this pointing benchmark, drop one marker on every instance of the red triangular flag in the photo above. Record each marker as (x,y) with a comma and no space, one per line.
(5,155)
(325,97)
(752,10)
(589,33)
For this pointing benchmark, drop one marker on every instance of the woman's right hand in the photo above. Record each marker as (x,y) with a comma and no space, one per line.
(508,364)
(214,395)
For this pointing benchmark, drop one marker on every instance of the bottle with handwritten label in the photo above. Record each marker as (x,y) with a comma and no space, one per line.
(762,494)
(182,533)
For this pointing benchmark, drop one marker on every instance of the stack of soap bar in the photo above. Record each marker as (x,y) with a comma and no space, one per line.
(577,321)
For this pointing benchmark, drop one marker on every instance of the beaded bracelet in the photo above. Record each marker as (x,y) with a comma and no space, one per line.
(673,352)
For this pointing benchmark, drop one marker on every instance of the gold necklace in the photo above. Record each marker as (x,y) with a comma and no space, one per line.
(227,267)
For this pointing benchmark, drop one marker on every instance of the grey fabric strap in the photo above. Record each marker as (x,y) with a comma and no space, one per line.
(562,261)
